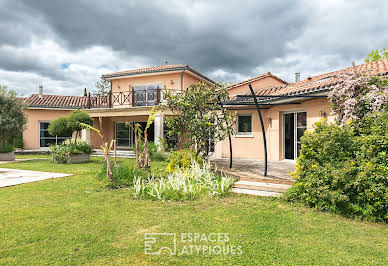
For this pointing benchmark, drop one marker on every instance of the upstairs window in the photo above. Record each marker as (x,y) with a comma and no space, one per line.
(244,124)
(146,95)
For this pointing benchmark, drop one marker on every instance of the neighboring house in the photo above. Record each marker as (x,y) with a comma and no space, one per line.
(132,95)
(262,81)
(286,116)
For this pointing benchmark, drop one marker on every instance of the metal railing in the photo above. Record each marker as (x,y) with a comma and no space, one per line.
(131,98)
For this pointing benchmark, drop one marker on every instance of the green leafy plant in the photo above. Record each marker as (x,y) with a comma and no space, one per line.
(344,169)
(60,127)
(106,148)
(141,141)
(184,184)
(377,55)
(199,116)
(76,118)
(6,147)
(12,118)
(182,159)
(123,175)
(61,152)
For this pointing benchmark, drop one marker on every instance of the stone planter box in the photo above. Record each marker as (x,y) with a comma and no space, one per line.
(8,156)
(79,158)
(75,158)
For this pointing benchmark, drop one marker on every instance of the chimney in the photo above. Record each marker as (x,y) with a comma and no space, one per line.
(40,91)
(297,76)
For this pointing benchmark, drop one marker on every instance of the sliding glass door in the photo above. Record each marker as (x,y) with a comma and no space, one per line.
(123,135)
(294,124)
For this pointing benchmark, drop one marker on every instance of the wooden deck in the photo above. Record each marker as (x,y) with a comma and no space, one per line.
(250,176)
(278,170)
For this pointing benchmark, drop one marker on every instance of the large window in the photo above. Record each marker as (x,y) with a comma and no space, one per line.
(244,125)
(45,138)
(146,95)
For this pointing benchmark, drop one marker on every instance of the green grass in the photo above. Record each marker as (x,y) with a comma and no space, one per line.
(76,220)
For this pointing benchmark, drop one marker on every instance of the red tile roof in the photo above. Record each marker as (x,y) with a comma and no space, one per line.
(324,81)
(57,101)
(162,68)
(264,75)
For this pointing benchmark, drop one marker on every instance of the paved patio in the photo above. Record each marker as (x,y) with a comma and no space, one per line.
(250,168)
(12,177)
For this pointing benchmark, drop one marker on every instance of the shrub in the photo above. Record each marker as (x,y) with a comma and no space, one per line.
(12,118)
(62,152)
(182,159)
(76,117)
(18,141)
(60,127)
(153,149)
(184,184)
(6,147)
(158,156)
(123,175)
(343,170)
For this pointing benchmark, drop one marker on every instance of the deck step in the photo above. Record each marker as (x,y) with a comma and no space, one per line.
(266,188)
(267,180)
(256,192)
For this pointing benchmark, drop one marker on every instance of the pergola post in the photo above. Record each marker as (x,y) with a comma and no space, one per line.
(262,128)
(230,139)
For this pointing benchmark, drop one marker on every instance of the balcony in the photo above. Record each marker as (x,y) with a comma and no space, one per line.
(132,98)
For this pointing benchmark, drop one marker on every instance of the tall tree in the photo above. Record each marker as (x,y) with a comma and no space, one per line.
(85,92)
(12,117)
(102,87)
(377,55)
(199,116)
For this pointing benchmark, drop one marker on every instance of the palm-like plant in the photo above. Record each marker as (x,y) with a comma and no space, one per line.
(106,148)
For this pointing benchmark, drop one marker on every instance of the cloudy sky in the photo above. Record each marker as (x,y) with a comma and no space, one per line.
(67,45)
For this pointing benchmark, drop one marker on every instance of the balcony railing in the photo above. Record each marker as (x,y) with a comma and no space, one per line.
(131,98)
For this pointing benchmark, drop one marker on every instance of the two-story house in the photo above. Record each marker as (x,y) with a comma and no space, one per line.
(133,94)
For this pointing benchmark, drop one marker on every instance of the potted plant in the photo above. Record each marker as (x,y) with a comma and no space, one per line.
(72,150)
(12,120)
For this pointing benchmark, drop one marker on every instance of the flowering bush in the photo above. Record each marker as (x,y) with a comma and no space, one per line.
(357,95)
(343,169)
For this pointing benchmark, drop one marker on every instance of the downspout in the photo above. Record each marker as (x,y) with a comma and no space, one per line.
(182,78)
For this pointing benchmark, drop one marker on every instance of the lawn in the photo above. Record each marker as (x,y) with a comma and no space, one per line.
(76,220)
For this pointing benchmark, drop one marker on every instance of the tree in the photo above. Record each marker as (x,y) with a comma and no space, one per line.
(198,115)
(102,87)
(76,117)
(377,55)
(60,127)
(12,117)
(85,92)
(357,95)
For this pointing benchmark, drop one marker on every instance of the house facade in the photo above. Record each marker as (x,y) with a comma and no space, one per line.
(288,109)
